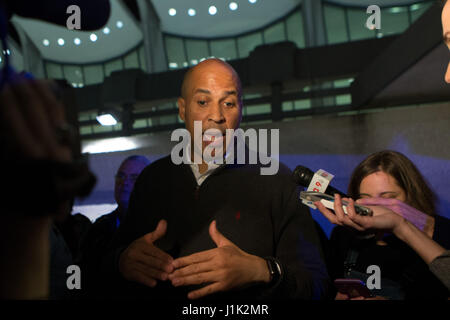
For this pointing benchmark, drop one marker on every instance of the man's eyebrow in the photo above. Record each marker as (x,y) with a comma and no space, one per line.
(230,93)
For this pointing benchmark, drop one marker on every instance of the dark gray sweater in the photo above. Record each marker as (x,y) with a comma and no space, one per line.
(260,214)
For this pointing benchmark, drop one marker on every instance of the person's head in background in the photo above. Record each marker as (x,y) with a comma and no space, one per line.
(446,32)
(126,176)
(389,174)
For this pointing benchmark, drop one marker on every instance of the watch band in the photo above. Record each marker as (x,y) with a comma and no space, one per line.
(274,269)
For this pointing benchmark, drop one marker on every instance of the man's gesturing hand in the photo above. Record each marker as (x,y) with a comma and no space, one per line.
(222,268)
(143,262)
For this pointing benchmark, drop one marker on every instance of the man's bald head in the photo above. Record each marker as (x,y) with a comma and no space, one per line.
(219,65)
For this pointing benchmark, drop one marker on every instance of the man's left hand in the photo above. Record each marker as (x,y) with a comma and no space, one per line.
(223,268)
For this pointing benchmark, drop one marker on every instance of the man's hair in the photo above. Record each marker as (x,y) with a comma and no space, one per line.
(407,176)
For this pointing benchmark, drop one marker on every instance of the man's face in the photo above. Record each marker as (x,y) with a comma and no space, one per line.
(125,178)
(446,28)
(212,97)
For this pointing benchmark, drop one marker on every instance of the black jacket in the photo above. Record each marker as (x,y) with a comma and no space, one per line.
(262,215)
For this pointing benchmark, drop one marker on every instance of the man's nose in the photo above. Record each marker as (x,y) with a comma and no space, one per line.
(447,74)
(216,113)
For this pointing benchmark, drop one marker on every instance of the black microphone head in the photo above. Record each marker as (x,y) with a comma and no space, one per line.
(302,176)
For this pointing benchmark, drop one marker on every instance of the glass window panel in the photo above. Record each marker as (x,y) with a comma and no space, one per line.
(175,52)
(302,104)
(394,20)
(85,130)
(335,24)
(74,75)
(113,66)
(117,127)
(54,71)
(287,106)
(418,9)
(93,74)
(295,30)
(196,50)
(343,83)
(163,120)
(343,99)
(259,109)
(224,49)
(357,20)
(83,116)
(100,128)
(247,43)
(275,33)
(140,123)
(131,61)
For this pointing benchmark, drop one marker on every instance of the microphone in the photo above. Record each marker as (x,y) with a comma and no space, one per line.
(304,177)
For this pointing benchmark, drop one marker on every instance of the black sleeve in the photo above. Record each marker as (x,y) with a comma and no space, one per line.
(442,231)
(304,274)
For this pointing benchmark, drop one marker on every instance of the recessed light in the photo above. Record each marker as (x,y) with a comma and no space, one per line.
(233,6)
(119,24)
(106,30)
(106,119)
(192,12)
(172,12)
(93,37)
(252,1)
(77,41)
(61,41)
(212,10)
(45,42)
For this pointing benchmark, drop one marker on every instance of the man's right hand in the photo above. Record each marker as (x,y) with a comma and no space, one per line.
(143,262)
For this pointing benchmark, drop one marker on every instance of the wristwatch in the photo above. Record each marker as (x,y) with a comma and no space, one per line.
(274,269)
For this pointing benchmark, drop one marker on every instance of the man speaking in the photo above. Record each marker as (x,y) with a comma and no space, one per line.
(215,230)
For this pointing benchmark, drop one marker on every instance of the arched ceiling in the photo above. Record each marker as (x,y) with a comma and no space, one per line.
(249,15)
(226,22)
(121,38)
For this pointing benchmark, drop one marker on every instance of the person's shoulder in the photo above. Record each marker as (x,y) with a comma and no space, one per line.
(157,166)
(105,218)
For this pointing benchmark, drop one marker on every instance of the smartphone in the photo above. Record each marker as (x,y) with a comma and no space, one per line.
(352,288)
(328,202)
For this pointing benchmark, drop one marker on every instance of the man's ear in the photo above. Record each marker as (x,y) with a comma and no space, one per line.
(182,108)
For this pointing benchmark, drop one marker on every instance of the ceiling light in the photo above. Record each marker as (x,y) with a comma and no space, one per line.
(106,30)
(110,145)
(77,41)
(212,10)
(252,1)
(172,12)
(106,119)
(93,37)
(233,6)
(61,41)
(45,42)
(192,12)
(119,24)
